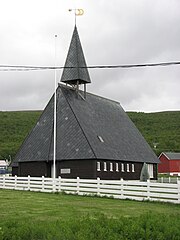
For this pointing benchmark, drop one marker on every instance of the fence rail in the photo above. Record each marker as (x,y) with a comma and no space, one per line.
(121,189)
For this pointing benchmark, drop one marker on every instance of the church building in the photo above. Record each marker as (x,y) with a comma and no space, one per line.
(94,137)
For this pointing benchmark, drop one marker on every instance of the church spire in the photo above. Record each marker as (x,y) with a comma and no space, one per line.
(78,74)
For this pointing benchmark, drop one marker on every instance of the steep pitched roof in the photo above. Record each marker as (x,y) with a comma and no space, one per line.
(172,155)
(38,146)
(75,59)
(94,128)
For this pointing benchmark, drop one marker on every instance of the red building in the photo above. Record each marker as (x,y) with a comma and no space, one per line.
(170,163)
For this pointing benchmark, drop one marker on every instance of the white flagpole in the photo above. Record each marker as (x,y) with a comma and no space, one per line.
(55,109)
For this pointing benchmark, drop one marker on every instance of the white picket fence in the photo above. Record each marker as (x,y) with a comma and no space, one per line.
(168,179)
(120,189)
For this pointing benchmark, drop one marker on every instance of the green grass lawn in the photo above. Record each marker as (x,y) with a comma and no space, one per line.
(32,215)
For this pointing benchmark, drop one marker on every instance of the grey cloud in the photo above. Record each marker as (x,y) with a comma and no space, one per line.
(111,32)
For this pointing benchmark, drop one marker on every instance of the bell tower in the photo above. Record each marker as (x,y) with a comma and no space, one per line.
(75,70)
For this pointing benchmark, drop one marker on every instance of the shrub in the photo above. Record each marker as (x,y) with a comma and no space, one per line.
(98,226)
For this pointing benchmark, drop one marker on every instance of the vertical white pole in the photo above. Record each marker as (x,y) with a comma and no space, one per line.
(55,106)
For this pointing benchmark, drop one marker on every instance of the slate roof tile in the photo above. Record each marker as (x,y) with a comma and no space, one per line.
(75,58)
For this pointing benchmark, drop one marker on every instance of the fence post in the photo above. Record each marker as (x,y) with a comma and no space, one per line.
(15,182)
(169,179)
(161,179)
(122,188)
(178,187)
(42,183)
(29,183)
(77,185)
(59,183)
(54,184)
(98,186)
(4,181)
(148,189)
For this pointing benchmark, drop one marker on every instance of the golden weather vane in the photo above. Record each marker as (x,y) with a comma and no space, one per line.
(77,12)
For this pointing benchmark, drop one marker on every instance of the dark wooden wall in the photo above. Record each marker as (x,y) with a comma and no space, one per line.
(78,168)
(14,171)
(122,174)
(83,169)
(34,169)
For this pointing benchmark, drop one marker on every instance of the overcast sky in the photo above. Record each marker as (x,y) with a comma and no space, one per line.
(111,32)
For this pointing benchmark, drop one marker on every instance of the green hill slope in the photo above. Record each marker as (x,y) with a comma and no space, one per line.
(14,127)
(161,129)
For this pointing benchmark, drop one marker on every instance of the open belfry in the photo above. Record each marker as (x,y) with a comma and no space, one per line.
(94,135)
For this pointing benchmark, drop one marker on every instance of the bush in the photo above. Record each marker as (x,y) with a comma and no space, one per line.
(148,226)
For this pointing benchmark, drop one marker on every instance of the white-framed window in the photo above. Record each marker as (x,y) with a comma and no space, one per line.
(111,166)
(133,169)
(127,166)
(150,170)
(117,167)
(122,167)
(105,166)
(98,166)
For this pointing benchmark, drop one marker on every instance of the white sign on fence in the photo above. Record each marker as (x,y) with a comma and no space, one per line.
(154,191)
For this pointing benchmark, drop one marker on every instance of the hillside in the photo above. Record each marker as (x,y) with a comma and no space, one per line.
(14,127)
(161,129)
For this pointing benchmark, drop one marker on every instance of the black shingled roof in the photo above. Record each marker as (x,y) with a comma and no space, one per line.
(79,123)
(75,59)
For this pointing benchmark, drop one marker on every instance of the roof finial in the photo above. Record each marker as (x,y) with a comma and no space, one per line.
(77,12)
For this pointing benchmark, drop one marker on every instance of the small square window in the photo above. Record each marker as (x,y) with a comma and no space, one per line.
(117,167)
(100,139)
(127,167)
(122,167)
(98,166)
(105,166)
(111,167)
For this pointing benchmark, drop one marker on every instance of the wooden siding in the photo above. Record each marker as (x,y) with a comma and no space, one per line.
(126,175)
(86,169)
(34,169)
(174,166)
(168,166)
(163,166)
(78,168)
(14,171)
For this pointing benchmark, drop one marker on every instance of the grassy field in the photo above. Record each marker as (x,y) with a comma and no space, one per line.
(162,129)
(30,215)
